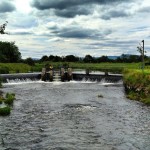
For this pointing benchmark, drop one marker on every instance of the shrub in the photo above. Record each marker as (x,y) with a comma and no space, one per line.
(0,82)
(4,70)
(137,85)
(4,111)
(10,97)
(1,100)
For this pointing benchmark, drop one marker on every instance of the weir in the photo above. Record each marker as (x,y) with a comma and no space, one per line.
(64,76)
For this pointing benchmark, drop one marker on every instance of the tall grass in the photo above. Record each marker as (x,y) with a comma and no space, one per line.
(111,67)
(137,84)
(15,67)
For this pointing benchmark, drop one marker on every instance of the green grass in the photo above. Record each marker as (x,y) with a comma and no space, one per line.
(111,67)
(137,84)
(6,103)
(4,111)
(15,67)
(10,97)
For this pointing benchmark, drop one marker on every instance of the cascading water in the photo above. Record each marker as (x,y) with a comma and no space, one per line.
(71,116)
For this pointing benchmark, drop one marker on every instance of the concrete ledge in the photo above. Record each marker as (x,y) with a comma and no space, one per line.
(76,76)
(98,77)
(20,76)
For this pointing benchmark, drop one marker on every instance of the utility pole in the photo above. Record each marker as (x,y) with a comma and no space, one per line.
(141,50)
(143,65)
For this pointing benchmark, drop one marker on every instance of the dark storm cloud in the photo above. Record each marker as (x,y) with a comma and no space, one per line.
(114,14)
(80,33)
(70,12)
(71,8)
(6,7)
(63,4)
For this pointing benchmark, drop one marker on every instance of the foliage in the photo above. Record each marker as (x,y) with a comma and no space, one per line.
(88,59)
(71,58)
(29,61)
(4,70)
(16,67)
(0,83)
(4,111)
(9,52)
(2,28)
(137,84)
(110,67)
(10,97)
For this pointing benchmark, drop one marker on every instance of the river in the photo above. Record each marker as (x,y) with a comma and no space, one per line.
(74,115)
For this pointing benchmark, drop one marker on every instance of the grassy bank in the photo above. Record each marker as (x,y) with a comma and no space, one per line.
(14,68)
(24,68)
(137,85)
(111,67)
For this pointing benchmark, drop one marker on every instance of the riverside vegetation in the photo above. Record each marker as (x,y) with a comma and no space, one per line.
(6,103)
(137,84)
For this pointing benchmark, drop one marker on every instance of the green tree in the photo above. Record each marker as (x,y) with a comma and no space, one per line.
(29,61)
(9,52)
(88,59)
(2,28)
(44,58)
(71,58)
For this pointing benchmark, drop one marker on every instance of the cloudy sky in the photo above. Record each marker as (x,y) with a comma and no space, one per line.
(76,27)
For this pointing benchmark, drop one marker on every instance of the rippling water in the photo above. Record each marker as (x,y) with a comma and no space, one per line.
(71,116)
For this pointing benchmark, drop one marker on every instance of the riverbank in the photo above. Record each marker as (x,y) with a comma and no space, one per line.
(137,85)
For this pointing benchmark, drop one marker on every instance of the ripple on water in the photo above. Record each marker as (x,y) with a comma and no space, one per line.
(70,115)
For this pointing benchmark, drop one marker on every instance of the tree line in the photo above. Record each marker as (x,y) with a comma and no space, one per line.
(124,58)
(9,53)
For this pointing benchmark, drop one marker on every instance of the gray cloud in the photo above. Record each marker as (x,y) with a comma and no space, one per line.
(63,4)
(145,9)
(80,33)
(6,6)
(21,33)
(72,12)
(71,8)
(114,14)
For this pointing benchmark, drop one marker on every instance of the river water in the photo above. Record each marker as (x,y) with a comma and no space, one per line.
(74,116)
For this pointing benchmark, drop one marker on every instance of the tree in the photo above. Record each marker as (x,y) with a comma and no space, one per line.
(51,58)
(29,61)
(2,28)
(88,59)
(44,58)
(103,59)
(9,52)
(71,58)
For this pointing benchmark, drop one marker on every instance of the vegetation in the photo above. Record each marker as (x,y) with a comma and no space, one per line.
(2,28)
(107,66)
(9,52)
(14,68)
(10,97)
(4,111)
(137,85)
(6,103)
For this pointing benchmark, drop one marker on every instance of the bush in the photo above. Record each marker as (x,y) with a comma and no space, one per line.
(4,70)
(137,85)
(4,111)
(0,82)
(10,97)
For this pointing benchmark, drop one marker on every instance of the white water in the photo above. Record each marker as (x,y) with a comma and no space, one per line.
(28,81)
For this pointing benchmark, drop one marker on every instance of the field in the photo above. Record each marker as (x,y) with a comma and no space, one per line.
(14,68)
(112,67)
(24,68)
